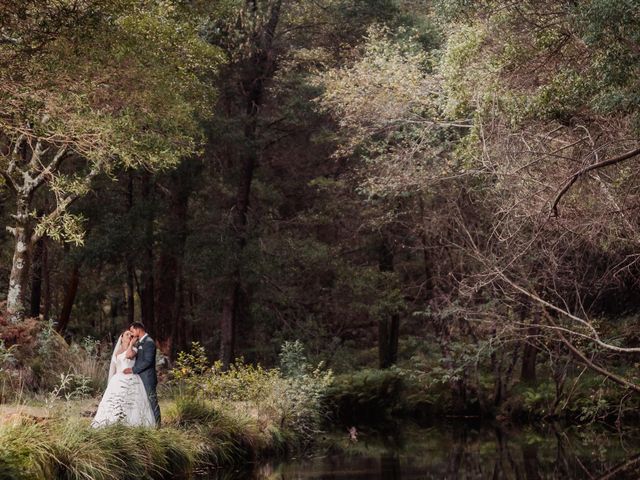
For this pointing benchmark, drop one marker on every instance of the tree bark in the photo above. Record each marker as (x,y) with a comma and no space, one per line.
(169,272)
(147,307)
(20,265)
(428,274)
(228,326)
(165,291)
(179,332)
(71,290)
(388,328)
(46,278)
(529,358)
(130,293)
(36,277)
(130,283)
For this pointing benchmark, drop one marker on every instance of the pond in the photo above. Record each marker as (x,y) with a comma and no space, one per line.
(463,451)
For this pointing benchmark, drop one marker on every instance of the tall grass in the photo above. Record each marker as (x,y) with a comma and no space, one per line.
(196,435)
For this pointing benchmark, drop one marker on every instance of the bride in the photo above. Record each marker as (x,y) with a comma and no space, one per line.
(125,399)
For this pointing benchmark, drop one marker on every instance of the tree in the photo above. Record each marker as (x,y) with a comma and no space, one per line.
(554,150)
(86,88)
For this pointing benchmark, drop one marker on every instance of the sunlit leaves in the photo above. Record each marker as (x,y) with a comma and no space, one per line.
(387,104)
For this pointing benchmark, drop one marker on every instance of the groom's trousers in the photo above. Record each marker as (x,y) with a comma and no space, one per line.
(155,407)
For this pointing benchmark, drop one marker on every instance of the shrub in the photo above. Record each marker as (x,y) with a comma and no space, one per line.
(34,357)
(287,402)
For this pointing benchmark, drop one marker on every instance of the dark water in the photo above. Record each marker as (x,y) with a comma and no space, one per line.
(464,452)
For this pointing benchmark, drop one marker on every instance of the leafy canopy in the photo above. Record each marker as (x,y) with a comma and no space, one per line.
(116,81)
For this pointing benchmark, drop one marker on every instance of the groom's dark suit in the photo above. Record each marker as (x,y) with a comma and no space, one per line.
(145,366)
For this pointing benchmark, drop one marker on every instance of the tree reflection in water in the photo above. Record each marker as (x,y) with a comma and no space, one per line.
(467,453)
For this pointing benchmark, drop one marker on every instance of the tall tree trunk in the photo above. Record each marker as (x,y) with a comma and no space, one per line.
(230,312)
(388,328)
(46,278)
(36,276)
(130,272)
(71,289)
(130,293)
(169,272)
(390,468)
(530,461)
(179,333)
(529,358)
(228,326)
(147,308)
(18,277)
(259,67)
(428,274)
(165,291)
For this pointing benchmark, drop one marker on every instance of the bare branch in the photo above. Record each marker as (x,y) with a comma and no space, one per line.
(51,168)
(595,337)
(15,154)
(581,356)
(37,155)
(581,172)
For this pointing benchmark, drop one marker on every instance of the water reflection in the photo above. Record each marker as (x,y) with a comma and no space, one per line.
(461,452)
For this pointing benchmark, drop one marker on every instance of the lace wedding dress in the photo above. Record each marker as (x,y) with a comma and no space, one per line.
(125,399)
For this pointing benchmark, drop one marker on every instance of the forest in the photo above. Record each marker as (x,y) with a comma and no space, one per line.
(335,218)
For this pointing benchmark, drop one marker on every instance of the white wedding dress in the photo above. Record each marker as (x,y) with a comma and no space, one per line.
(125,400)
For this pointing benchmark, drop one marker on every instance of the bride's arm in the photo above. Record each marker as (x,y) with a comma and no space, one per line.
(131,351)
(122,348)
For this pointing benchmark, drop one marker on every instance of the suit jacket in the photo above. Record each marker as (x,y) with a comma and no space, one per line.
(145,364)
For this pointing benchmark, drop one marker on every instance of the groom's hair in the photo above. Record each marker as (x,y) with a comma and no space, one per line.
(139,325)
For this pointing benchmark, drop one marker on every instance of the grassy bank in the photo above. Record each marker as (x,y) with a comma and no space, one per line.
(195,435)
(211,418)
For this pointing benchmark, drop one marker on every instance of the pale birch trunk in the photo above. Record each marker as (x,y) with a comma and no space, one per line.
(20,266)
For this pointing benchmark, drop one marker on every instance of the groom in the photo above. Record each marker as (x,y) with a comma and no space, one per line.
(145,365)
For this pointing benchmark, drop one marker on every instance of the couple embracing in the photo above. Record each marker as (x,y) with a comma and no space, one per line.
(130,397)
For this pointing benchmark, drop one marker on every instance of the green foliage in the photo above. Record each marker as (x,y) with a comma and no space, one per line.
(128,86)
(293,361)
(367,396)
(241,382)
(48,340)
(195,436)
(293,401)
(539,399)
(70,386)
(190,365)
(65,369)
